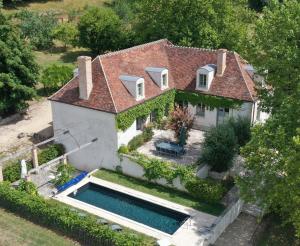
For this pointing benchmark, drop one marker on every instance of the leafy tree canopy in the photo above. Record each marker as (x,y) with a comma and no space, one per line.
(55,76)
(37,27)
(66,33)
(197,23)
(18,70)
(100,29)
(275,49)
(272,156)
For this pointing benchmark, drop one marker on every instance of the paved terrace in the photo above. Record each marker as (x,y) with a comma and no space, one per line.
(193,146)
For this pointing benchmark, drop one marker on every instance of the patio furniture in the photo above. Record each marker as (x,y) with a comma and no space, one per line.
(102,221)
(172,148)
(163,242)
(115,227)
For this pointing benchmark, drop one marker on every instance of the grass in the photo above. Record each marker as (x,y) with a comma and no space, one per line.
(17,231)
(277,234)
(163,192)
(63,6)
(58,55)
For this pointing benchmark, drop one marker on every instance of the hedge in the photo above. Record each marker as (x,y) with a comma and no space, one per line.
(61,218)
(12,171)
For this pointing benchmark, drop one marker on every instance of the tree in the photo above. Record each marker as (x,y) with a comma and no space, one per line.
(66,33)
(219,147)
(18,69)
(272,161)
(210,24)
(100,29)
(37,27)
(55,76)
(275,49)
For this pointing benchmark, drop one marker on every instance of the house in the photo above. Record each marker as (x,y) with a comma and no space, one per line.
(112,84)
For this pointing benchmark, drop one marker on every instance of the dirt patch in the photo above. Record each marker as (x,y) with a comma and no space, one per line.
(20,133)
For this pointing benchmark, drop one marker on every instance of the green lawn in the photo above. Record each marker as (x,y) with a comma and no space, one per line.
(62,6)
(59,56)
(160,191)
(277,234)
(17,231)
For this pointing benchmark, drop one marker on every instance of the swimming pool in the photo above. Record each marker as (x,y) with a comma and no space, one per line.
(145,212)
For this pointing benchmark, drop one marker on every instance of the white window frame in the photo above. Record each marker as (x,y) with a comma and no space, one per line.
(140,91)
(202,83)
(200,110)
(164,80)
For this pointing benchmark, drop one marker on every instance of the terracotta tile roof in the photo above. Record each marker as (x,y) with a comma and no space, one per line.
(110,94)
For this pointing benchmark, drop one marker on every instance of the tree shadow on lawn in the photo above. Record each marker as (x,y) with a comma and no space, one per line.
(71,56)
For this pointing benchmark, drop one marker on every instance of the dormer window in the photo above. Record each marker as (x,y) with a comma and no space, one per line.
(202,81)
(135,85)
(205,76)
(159,76)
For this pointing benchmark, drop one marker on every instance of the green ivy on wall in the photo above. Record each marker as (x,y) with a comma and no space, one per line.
(125,119)
(208,100)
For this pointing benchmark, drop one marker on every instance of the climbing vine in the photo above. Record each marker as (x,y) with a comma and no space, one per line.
(161,103)
(125,119)
(208,100)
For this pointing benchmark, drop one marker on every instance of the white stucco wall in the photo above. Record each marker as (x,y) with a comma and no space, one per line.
(125,136)
(210,118)
(84,125)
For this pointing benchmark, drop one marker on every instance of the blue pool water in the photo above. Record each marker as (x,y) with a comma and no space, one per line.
(150,214)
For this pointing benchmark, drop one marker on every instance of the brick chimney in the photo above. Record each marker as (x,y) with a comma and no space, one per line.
(221,62)
(85,76)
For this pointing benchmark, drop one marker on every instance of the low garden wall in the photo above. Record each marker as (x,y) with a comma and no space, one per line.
(131,168)
(224,220)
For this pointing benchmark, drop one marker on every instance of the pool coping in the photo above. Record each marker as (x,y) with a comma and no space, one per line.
(187,226)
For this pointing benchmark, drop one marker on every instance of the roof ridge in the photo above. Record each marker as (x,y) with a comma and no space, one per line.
(239,65)
(107,84)
(133,48)
(196,48)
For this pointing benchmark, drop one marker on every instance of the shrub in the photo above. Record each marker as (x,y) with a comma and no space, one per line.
(50,153)
(219,147)
(62,219)
(12,172)
(27,187)
(205,189)
(139,140)
(148,134)
(55,76)
(123,149)
(65,172)
(241,128)
(180,117)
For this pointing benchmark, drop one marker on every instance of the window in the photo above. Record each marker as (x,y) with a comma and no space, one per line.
(140,90)
(200,110)
(153,116)
(202,80)
(165,80)
(140,122)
